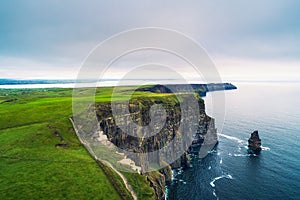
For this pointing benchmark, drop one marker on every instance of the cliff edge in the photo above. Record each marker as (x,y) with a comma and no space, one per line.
(204,135)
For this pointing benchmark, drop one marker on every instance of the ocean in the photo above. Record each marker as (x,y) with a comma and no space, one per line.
(229,172)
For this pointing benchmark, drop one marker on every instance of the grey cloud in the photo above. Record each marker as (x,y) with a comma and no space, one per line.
(61,33)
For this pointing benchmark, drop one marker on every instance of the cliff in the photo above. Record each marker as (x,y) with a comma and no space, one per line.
(139,113)
(201,89)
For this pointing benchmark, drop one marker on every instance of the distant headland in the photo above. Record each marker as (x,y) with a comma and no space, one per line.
(201,89)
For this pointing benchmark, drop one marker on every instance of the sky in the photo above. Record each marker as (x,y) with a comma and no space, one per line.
(255,40)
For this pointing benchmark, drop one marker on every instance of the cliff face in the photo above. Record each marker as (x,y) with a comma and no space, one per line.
(139,112)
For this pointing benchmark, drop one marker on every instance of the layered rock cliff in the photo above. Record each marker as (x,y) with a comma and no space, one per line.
(205,133)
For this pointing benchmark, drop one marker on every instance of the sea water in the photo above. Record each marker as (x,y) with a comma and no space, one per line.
(229,172)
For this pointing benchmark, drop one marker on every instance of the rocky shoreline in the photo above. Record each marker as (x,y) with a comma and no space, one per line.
(139,110)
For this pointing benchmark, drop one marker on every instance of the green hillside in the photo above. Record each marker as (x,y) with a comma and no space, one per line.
(33,122)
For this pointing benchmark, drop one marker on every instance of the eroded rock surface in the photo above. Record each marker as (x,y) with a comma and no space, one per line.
(205,134)
(254,143)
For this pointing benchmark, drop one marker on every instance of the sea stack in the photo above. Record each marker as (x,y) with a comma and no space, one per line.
(254,143)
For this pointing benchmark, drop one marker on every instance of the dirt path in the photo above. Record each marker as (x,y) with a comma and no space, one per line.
(128,186)
(90,150)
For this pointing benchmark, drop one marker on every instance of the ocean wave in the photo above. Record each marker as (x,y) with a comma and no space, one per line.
(214,193)
(212,151)
(241,142)
(212,183)
(262,148)
(265,148)
(241,155)
(231,138)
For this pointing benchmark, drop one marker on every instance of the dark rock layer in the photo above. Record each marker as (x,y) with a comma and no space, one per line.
(254,143)
(139,113)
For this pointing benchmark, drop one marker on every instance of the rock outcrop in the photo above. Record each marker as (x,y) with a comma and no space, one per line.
(254,143)
(157,181)
(205,134)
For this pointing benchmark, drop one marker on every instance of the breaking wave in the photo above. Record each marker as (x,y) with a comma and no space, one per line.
(212,183)
(241,155)
(265,148)
(231,138)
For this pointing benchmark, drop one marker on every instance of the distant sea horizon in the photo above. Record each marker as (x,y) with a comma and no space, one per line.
(72,83)
(7,83)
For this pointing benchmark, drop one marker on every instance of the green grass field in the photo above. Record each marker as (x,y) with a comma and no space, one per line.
(32,167)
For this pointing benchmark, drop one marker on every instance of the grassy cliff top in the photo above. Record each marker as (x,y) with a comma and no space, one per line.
(34,167)
(103,94)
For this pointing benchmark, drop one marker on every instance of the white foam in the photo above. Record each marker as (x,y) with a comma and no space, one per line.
(265,148)
(262,148)
(241,155)
(212,183)
(214,193)
(212,151)
(221,161)
(173,175)
(231,138)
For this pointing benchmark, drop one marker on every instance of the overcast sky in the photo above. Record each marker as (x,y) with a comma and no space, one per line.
(248,40)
